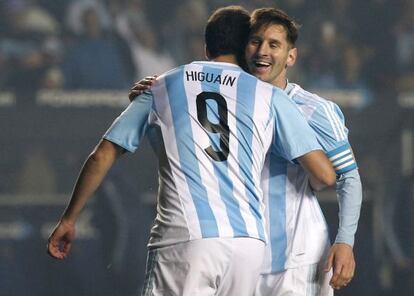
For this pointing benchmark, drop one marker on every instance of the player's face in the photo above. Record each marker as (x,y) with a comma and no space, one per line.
(268,54)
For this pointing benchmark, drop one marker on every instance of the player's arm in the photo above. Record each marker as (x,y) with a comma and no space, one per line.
(125,133)
(295,140)
(349,194)
(328,122)
(341,256)
(319,168)
(90,177)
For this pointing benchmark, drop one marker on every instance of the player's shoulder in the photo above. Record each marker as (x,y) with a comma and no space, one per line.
(213,65)
(278,93)
(280,99)
(297,93)
(173,71)
(304,97)
(192,68)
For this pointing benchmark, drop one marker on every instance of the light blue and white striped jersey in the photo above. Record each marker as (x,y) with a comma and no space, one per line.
(211,125)
(297,230)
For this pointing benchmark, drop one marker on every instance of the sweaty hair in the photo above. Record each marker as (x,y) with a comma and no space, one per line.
(264,17)
(227,31)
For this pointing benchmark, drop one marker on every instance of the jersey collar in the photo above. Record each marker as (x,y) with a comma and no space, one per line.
(230,65)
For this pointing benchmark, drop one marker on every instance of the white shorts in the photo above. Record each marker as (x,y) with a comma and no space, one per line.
(213,266)
(307,280)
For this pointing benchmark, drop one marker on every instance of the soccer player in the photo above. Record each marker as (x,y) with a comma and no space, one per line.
(212,125)
(299,256)
(295,262)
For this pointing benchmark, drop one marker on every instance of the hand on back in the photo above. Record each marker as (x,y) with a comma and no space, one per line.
(141,86)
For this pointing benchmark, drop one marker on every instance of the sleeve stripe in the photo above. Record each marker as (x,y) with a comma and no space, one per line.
(340,124)
(337,151)
(342,160)
(345,165)
(346,169)
(340,154)
(328,107)
(331,121)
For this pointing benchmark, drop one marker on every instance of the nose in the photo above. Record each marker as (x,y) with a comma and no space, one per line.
(263,49)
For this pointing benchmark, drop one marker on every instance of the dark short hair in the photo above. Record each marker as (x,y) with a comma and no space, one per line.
(227,31)
(264,17)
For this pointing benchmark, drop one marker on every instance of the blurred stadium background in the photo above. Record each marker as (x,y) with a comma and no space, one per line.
(65,69)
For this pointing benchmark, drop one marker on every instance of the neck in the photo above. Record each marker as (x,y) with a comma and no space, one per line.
(227,58)
(281,80)
(280,83)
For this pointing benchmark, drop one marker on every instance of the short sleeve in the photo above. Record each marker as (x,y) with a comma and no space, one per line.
(329,124)
(131,125)
(293,137)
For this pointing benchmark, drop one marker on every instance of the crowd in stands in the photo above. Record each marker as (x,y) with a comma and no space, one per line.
(365,46)
(107,44)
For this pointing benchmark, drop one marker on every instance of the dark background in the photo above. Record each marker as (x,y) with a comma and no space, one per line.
(65,71)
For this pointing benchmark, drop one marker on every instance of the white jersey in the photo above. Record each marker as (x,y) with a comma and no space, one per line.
(211,125)
(298,233)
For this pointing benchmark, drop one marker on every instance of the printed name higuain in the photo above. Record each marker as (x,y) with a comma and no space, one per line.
(210,77)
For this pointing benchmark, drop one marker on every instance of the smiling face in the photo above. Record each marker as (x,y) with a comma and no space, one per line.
(269,54)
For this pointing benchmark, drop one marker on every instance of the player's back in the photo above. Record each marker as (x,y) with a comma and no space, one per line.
(216,126)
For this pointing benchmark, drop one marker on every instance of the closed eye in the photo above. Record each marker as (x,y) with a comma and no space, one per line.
(274,44)
(254,41)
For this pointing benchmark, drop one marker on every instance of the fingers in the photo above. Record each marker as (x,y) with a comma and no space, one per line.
(329,262)
(140,86)
(66,248)
(348,272)
(341,258)
(133,94)
(337,281)
(341,279)
(145,83)
(54,250)
(60,241)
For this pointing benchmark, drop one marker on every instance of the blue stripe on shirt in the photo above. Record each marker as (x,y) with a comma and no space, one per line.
(186,151)
(221,167)
(277,211)
(246,94)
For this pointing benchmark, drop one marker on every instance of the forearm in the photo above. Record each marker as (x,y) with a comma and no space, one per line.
(317,184)
(349,194)
(319,168)
(90,177)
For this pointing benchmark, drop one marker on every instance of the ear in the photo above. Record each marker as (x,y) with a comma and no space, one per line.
(292,55)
